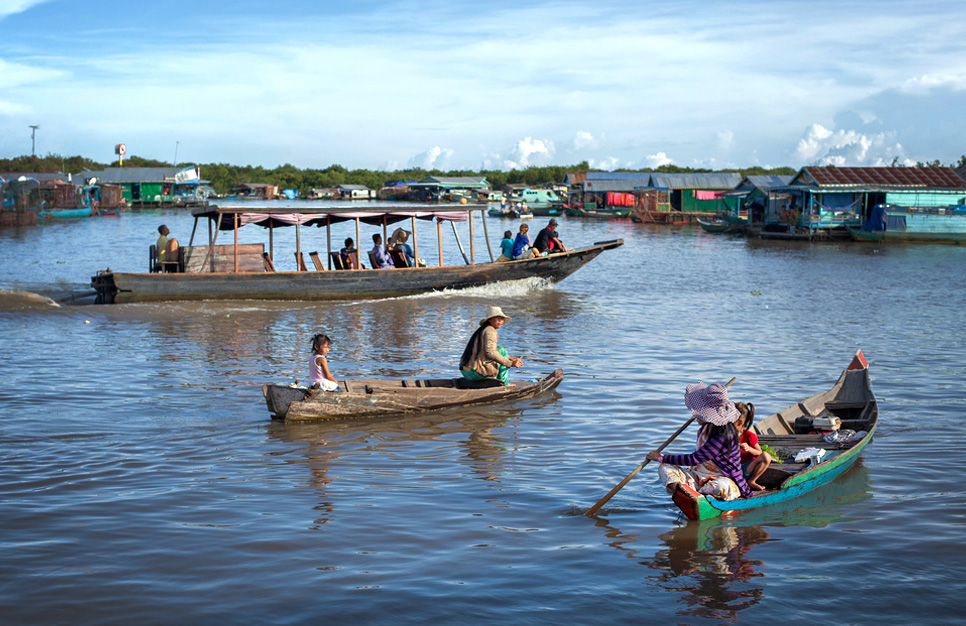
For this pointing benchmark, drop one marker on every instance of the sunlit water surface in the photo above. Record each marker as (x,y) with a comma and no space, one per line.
(145,483)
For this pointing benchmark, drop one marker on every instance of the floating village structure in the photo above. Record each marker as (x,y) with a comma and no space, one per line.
(154,186)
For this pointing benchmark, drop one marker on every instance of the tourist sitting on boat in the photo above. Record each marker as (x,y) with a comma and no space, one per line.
(398,241)
(347,254)
(483,358)
(754,461)
(521,245)
(380,255)
(717,443)
(506,248)
(547,240)
(167,249)
(319,374)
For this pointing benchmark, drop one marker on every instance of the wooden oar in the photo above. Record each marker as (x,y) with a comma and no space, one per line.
(621,484)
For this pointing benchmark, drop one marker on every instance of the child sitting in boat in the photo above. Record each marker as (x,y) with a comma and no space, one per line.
(506,247)
(717,443)
(754,461)
(319,373)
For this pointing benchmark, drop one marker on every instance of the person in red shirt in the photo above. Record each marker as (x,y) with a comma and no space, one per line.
(754,461)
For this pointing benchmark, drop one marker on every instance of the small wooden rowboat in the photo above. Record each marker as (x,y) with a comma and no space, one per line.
(850,400)
(379,397)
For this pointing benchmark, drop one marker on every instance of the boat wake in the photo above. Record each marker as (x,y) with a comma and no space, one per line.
(17,300)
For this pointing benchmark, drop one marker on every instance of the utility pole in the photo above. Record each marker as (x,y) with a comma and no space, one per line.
(33,142)
(176,144)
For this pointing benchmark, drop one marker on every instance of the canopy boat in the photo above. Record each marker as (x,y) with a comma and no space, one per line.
(379,397)
(245,271)
(848,405)
(930,224)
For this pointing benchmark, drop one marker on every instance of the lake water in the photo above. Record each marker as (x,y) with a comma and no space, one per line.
(143,481)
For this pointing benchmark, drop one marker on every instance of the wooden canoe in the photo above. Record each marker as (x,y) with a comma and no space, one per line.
(380,397)
(850,399)
(715,226)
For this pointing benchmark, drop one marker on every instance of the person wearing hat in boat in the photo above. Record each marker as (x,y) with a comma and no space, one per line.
(547,240)
(717,435)
(398,241)
(483,358)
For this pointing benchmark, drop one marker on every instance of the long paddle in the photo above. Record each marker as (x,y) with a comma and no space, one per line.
(621,484)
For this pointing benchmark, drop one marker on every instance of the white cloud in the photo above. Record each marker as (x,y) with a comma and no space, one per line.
(529,151)
(824,146)
(434,158)
(10,7)
(583,139)
(608,164)
(656,160)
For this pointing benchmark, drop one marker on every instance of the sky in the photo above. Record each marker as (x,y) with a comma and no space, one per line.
(386,85)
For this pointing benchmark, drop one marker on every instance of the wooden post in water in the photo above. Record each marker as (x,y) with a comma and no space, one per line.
(486,235)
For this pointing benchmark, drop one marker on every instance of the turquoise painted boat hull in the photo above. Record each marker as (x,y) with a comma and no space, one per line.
(852,389)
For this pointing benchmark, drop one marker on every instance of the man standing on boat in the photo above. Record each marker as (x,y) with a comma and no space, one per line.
(483,358)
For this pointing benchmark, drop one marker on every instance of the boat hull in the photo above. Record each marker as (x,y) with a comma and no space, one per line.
(912,237)
(121,287)
(379,398)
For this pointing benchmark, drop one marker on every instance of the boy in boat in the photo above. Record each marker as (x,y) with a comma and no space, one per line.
(521,245)
(506,248)
(346,254)
(754,461)
(319,374)
(482,358)
(717,440)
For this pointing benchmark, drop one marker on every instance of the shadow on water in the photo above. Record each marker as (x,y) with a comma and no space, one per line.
(709,562)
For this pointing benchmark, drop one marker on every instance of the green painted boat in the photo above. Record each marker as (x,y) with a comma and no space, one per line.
(714,226)
(850,403)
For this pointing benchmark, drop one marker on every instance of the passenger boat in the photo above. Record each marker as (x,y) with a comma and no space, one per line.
(247,272)
(381,397)
(928,224)
(849,404)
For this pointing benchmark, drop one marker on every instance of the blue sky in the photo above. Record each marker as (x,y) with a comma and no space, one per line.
(386,85)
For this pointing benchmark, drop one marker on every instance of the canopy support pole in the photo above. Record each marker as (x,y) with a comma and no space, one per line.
(486,235)
(328,240)
(469,214)
(415,245)
(459,244)
(235,217)
(439,240)
(358,240)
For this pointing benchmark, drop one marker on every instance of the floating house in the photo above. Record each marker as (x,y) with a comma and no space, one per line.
(154,186)
(604,194)
(750,198)
(260,191)
(355,192)
(20,200)
(825,201)
(447,188)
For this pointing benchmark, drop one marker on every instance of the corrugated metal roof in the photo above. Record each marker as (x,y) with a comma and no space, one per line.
(765,181)
(133,174)
(696,180)
(615,185)
(879,177)
(575,178)
(619,175)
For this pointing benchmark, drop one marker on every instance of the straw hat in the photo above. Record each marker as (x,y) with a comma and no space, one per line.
(399,236)
(494,311)
(711,403)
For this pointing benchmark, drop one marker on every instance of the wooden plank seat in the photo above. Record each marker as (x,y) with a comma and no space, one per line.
(269,266)
(316,261)
(300,262)
(398,258)
(168,265)
(195,259)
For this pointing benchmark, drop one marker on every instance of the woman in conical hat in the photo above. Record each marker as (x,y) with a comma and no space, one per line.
(483,358)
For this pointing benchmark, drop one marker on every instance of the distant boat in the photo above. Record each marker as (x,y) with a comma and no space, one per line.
(895,223)
(716,226)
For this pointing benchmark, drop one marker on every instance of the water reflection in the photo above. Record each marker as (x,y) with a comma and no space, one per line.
(484,437)
(709,562)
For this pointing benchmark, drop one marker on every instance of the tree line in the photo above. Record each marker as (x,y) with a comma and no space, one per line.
(223,177)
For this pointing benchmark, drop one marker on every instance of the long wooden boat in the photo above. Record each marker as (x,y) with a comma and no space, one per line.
(381,397)
(245,271)
(850,400)
(717,226)
(932,225)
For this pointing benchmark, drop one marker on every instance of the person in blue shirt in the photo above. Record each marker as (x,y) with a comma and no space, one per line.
(398,241)
(521,245)
(506,248)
